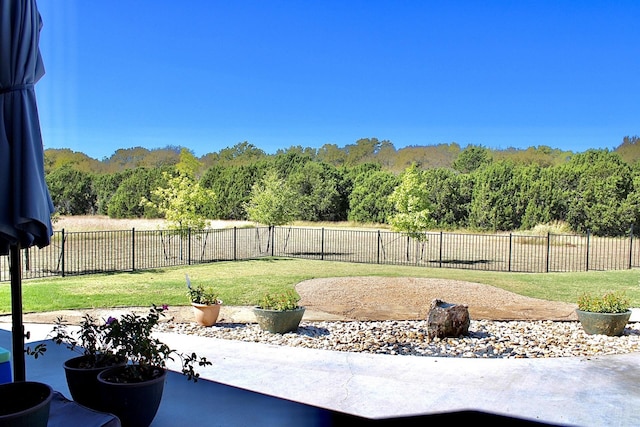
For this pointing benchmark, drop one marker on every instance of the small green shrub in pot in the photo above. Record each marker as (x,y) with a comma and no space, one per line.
(610,302)
(281,302)
(279,313)
(605,314)
(205,303)
(201,295)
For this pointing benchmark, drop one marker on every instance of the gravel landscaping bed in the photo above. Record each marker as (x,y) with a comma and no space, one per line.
(487,339)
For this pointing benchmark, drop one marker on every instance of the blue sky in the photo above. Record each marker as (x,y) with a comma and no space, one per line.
(208,74)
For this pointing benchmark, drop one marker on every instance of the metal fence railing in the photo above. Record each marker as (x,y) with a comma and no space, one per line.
(493,252)
(75,253)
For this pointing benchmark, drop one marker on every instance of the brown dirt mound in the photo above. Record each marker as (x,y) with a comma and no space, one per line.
(368,298)
(406,298)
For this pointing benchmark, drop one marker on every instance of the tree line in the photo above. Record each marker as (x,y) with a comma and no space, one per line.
(364,150)
(596,191)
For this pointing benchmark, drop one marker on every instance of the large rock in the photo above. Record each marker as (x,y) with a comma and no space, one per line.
(447,320)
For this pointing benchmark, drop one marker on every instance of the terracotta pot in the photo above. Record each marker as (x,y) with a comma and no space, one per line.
(135,404)
(206,315)
(611,324)
(25,403)
(279,321)
(83,381)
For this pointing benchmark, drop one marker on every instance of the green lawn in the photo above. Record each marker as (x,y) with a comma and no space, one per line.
(243,282)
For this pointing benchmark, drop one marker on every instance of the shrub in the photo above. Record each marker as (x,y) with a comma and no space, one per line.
(199,295)
(281,302)
(610,302)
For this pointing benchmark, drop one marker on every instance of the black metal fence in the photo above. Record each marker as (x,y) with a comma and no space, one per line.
(75,253)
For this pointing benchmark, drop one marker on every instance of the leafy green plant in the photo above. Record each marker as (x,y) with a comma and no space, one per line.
(610,302)
(200,295)
(90,340)
(413,210)
(182,202)
(131,335)
(287,300)
(127,338)
(272,201)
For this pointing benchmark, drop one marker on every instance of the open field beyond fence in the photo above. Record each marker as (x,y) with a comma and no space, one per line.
(87,252)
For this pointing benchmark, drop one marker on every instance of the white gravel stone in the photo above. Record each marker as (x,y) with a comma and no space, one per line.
(486,339)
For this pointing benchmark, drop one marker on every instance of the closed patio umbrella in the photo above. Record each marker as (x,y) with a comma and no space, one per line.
(25,203)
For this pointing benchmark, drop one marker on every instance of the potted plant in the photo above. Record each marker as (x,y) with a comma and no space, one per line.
(279,313)
(205,303)
(607,314)
(97,354)
(132,390)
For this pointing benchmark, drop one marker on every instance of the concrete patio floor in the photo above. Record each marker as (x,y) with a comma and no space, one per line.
(257,384)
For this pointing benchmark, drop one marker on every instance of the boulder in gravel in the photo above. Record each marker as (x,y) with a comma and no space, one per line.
(447,320)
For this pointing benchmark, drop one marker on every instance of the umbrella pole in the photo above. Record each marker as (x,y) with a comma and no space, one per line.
(19,373)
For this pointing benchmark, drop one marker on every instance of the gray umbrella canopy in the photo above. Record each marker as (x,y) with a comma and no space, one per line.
(25,203)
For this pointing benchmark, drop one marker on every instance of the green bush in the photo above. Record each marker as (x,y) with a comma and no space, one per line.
(283,301)
(610,302)
(200,295)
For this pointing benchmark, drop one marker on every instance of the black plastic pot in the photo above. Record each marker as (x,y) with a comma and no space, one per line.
(135,404)
(83,381)
(25,404)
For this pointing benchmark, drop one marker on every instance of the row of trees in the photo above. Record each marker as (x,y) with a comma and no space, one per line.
(365,150)
(595,191)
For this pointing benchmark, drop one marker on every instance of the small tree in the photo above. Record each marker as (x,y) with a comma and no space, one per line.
(272,201)
(413,209)
(183,202)
(188,165)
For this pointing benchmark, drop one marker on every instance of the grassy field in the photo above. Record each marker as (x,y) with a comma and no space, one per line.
(243,282)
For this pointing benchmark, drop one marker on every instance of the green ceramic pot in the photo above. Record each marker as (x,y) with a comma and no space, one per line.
(279,321)
(611,324)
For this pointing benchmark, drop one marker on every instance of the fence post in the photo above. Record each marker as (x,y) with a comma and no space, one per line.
(548,251)
(322,245)
(588,240)
(273,238)
(133,249)
(440,255)
(62,254)
(378,255)
(189,246)
(631,247)
(510,249)
(235,242)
